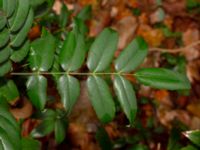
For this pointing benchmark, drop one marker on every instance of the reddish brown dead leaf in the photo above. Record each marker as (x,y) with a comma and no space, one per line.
(126,28)
(162,96)
(34,32)
(182,101)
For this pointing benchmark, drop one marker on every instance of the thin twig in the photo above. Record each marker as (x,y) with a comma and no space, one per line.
(68,73)
(177,50)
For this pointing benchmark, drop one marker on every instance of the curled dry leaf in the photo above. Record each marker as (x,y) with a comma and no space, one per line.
(34,32)
(24,112)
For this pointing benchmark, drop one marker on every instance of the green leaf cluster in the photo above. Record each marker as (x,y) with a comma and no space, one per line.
(10,133)
(64,56)
(51,121)
(192,4)
(71,57)
(193,136)
(16,18)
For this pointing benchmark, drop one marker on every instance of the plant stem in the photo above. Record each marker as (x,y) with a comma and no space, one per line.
(68,73)
(177,50)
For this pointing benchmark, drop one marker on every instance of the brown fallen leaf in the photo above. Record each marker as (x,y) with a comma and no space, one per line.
(122,26)
(194,108)
(192,70)
(24,112)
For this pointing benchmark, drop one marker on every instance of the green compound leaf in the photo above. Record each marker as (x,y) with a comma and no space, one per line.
(5,68)
(44,128)
(46,113)
(19,38)
(162,79)
(102,50)
(35,3)
(10,7)
(64,16)
(103,139)
(69,89)
(132,56)
(42,53)
(21,15)
(1,4)
(192,4)
(9,91)
(9,129)
(5,54)
(60,130)
(5,112)
(13,137)
(19,54)
(189,147)
(193,136)
(4,37)
(85,13)
(4,4)
(36,89)
(72,54)
(48,118)
(126,97)
(79,27)
(30,144)
(101,98)
(41,7)
(6,142)
(3,20)
(56,68)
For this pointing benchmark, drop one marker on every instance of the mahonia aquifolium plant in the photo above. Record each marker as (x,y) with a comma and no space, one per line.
(62,59)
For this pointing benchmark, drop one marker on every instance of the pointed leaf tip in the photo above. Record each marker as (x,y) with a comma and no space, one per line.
(101,98)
